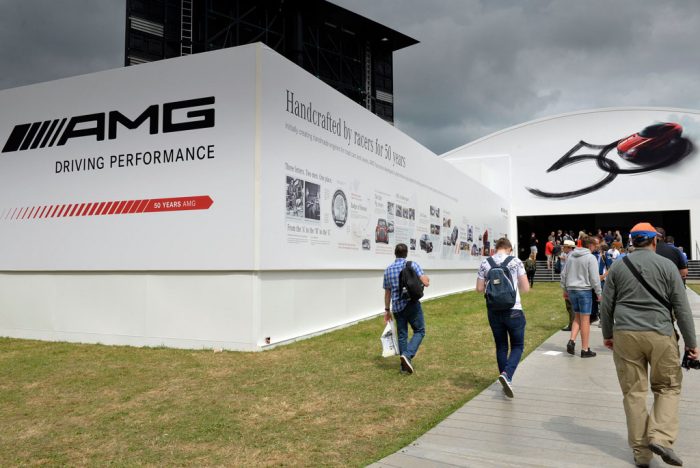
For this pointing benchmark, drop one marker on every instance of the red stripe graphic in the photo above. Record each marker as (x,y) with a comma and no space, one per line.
(135,206)
(122,207)
(153,205)
(100,207)
(114,207)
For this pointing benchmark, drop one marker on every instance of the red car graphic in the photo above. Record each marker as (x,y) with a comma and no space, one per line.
(381,232)
(649,141)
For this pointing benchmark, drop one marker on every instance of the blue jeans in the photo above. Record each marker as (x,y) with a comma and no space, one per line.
(412,315)
(581,301)
(508,324)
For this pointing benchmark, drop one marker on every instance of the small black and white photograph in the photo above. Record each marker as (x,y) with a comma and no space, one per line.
(425,243)
(412,213)
(446,241)
(412,244)
(435,229)
(295,197)
(470,233)
(434,211)
(390,208)
(312,193)
(446,222)
(405,213)
(454,235)
(399,211)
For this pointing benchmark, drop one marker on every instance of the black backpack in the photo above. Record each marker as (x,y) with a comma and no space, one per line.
(500,293)
(410,285)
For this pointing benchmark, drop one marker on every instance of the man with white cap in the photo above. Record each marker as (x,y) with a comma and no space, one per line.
(642,296)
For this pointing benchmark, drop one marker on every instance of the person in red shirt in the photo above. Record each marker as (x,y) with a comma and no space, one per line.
(549,251)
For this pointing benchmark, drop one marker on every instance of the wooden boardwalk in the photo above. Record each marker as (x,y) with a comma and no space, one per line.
(567,412)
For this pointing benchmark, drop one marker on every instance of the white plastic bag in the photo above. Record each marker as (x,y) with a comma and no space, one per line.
(390,340)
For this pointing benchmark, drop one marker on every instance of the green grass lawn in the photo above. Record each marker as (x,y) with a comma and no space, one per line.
(329,400)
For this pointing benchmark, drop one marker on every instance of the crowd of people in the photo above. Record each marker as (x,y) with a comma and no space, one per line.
(611,246)
(637,289)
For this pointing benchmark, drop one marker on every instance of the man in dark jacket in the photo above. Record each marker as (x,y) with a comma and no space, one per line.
(670,251)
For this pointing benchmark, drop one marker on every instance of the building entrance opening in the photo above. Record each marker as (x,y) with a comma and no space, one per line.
(676,224)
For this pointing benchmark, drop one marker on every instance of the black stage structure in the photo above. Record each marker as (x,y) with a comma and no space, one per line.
(676,224)
(349,52)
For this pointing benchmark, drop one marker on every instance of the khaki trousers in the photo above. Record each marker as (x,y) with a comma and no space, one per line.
(570,310)
(642,357)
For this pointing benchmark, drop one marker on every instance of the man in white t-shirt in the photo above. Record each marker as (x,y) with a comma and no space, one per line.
(509,325)
(613,252)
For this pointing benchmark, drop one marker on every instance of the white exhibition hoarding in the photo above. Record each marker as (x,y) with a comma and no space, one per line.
(226,199)
(340,186)
(608,160)
(140,168)
(126,170)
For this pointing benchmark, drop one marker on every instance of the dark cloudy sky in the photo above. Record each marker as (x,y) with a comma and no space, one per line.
(481,66)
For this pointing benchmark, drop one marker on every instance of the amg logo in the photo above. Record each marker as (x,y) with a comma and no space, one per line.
(58,132)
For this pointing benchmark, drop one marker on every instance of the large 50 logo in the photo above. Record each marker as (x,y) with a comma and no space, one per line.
(100,125)
(657,146)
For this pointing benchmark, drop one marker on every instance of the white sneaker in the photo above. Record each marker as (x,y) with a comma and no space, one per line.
(406,364)
(507,386)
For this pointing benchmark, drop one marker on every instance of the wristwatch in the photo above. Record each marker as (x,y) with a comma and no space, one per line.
(386,308)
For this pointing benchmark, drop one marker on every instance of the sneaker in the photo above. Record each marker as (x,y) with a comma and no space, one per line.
(406,364)
(666,454)
(570,346)
(505,383)
(566,329)
(588,353)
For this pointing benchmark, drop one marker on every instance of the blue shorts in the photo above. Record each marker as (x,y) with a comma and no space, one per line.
(581,301)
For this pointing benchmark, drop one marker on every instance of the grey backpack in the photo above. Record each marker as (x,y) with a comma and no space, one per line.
(500,292)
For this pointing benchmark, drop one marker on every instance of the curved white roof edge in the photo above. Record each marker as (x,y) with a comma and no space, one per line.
(569,114)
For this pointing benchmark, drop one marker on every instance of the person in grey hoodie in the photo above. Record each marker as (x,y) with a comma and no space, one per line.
(578,277)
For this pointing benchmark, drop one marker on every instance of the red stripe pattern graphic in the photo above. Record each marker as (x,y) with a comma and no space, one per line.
(120,207)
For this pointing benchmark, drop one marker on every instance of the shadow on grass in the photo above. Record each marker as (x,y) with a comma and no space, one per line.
(470,380)
(387,363)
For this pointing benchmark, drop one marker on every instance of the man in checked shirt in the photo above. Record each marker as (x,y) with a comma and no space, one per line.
(406,311)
